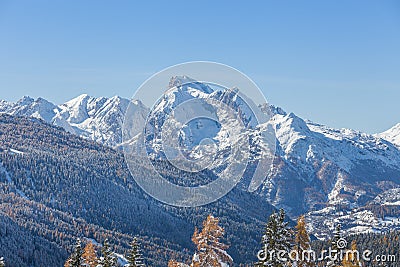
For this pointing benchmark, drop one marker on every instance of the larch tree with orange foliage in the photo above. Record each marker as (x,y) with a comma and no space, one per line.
(211,252)
(89,256)
(303,244)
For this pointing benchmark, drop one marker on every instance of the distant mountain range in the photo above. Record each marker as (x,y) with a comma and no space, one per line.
(331,175)
(98,119)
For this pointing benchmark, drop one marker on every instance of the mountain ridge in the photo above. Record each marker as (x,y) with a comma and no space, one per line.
(26,104)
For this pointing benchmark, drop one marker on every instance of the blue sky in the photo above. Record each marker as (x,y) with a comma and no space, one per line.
(334,62)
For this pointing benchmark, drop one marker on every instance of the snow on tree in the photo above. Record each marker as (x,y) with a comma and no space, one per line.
(211,252)
(277,238)
(75,260)
(107,258)
(302,244)
(2,264)
(89,256)
(134,257)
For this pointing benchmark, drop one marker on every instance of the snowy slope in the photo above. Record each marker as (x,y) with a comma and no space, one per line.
(199,119)
(392,135)
(26,106)
(336,175)
(328,166)
(99,119)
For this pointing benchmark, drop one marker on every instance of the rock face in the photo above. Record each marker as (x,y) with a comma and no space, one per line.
(317,170)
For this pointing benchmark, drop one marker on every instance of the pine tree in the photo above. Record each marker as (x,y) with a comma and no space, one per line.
(210,251)
(134,256)
(89,256)
(75,260)
(2,264)
(108,259)
(277,237)
(302,243)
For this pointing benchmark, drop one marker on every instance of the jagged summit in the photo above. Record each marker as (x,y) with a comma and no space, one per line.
(177,81)
(25,100)
(184,82)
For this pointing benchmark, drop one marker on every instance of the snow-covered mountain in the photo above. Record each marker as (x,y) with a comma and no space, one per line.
(336,163)
(333,176)
(329,174)
(392,135)
(99,119)
(199,112)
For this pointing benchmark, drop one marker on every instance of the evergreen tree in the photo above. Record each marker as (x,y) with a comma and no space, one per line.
(302,243)
(277,237)
(108,259)
(2,264)
(75,260)
(89,256)
(210,251)
(134,256)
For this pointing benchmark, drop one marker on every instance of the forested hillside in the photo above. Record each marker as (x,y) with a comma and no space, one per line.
(56,186)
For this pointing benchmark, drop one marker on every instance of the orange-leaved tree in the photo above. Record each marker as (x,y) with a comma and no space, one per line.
(211,252)
(89,256)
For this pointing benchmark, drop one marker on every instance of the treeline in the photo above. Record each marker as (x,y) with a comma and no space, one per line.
(281,246)
(210,251)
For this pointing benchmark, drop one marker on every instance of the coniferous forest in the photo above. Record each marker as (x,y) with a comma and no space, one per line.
(211,248)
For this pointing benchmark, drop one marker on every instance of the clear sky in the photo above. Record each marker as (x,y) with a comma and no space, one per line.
(333,62)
